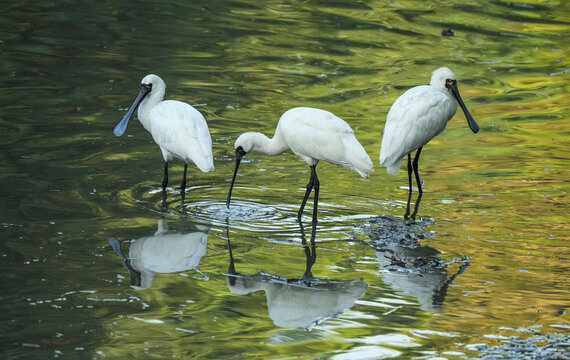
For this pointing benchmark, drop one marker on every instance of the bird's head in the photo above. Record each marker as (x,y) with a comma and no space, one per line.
(443,78)
(153,83)
(153,87)
(246,142)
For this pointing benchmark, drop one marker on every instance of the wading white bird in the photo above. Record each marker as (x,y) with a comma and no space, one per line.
(176,127)
(416,117)
(313,135)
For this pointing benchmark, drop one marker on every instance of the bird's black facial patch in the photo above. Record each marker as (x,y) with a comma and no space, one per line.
(240,151)
(449,83)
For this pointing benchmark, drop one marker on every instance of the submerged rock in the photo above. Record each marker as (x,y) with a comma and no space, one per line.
(409,267)
(388,231)
(537,347)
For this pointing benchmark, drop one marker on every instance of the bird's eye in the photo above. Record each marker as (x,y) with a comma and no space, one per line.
(449,83)
(148,86)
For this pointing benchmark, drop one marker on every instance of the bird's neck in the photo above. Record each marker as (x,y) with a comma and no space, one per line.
(447,93)
(148,104)
(263,144)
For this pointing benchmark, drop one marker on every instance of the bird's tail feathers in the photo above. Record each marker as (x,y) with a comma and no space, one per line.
(356,158)
(366,174)
(206,165)
(391,167)
(204,162)
(365,166)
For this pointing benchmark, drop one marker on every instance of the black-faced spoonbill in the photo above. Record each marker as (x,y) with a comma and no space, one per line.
(416,117)
(313,135)
(176,127)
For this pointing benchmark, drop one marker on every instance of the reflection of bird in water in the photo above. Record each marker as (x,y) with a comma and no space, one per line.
(407,271)
(162,252)
(176,127)
(298,302)
(409,267)
(412,216)
(313,135)
(416,117)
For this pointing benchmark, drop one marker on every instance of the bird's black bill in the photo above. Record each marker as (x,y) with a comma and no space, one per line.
(472,124)
(122,126)
(239,154)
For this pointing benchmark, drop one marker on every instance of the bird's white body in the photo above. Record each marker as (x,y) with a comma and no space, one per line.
(176,127)
(415,118)
(314,135)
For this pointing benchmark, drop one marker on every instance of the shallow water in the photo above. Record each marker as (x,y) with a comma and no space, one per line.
(486,257)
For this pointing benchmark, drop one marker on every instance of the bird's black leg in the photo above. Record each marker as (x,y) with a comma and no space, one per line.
(410,172)
(407,214)
(307,193)
(316,186)
(416,171)
(164,183)
(165,179)
(310,252)
(183,185)
(417,206)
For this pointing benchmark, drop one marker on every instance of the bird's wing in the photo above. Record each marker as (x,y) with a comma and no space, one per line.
(311,132)
(182,131)
(320,135)
(413,120)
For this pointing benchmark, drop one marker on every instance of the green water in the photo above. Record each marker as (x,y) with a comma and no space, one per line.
(495,202)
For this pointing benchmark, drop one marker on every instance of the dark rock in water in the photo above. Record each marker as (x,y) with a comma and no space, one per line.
(447,32)
(408,266)
(387,231)
(537,347)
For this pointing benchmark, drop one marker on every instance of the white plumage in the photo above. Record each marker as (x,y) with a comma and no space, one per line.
(176,127)
(416,117)
(185,135)
(313,135)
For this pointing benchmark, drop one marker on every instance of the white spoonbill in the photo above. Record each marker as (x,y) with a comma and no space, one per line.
(416,117)
(313,135)
(176,127)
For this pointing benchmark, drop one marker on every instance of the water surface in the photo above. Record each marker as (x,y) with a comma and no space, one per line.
(491,227)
